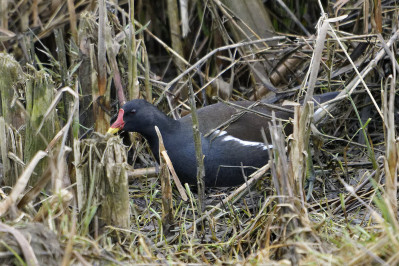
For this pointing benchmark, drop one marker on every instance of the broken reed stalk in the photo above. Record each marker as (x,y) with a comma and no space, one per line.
(75,118)
(111,44)
(316,60)
(146,172)
(86,74)
(391,153)
(198,152)
(175,32)
(377,21)
(179,186)
(73,20)
(166,188)
(80,184)
(184,14)
(283,182)
(288,176)
(102,182)
(115,208)
(61,56)
(4,15)
(153,171)
(147,84)
(4,158)
(133,86)
(100,100)
(299,149)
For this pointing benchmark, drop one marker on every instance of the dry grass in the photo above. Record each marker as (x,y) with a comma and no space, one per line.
(350,215)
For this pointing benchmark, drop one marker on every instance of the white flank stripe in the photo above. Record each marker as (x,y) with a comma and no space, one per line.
(226,137)
(319,110)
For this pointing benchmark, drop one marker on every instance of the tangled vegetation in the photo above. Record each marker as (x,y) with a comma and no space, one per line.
(70,193)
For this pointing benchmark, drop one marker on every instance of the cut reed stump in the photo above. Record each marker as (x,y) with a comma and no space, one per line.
(11,76)
(39,96)
(102,181)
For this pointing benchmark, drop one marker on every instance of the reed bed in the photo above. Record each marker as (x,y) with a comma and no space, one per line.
(71,194)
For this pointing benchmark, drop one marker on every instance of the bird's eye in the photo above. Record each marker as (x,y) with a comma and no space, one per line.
(133,111)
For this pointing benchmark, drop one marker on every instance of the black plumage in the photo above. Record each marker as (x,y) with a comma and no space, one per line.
(229,152)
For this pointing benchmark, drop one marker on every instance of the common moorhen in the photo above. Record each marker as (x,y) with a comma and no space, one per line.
(229,152)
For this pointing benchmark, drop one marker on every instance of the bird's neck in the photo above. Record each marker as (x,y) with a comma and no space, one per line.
(166,126)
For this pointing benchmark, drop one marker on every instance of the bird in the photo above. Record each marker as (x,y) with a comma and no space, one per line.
(231,153)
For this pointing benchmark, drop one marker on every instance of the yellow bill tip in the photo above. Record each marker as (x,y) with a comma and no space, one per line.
(112,130)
